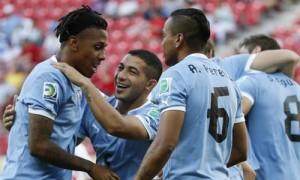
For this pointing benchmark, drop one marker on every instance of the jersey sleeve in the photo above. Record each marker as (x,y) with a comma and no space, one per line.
(45,95)
(237,65)
(150,120)
(248,88)
(171,91)
(239,117)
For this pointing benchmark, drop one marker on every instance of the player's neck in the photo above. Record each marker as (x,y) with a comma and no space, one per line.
(60,56)
(125,106)
(64,56)
(185,52)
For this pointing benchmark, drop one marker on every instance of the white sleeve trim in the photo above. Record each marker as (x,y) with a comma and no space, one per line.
(176,108)
(239,120)
(41,112)
(248,96)
(146,126)
(249,63)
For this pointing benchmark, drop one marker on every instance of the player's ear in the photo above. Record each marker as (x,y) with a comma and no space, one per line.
(178,40)
(151,84)
(73,43)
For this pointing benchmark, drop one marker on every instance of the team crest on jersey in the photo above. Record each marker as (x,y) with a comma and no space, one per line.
(164,86)
(50,91)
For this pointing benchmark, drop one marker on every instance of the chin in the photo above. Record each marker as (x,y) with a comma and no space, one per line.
(119,96)
(88,74)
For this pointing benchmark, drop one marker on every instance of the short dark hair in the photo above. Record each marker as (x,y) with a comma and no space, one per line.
(78,20)
(194,26)
(263,41)
(154,65)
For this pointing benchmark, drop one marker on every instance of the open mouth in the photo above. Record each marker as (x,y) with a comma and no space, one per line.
(94,67)
(121,86)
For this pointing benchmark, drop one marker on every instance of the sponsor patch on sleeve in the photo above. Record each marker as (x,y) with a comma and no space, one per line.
(165,86)
(50,91)
(154,113)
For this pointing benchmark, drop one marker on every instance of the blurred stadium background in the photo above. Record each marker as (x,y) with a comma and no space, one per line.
(27,38)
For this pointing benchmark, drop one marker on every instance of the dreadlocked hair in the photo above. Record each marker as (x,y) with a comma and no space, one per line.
(78,20)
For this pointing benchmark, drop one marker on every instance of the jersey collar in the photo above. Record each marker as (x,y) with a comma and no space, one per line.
(199,55)
(53,58)
(135,109)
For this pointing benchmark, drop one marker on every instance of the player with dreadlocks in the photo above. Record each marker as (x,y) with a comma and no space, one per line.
(50,108)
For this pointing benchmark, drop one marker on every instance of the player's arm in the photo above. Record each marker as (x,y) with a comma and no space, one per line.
(275,60)
(246,104)
(163,145)
(249,173)
(110,119)
(239,146)
(41,147)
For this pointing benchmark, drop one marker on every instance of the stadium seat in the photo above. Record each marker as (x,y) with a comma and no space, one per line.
(3,142)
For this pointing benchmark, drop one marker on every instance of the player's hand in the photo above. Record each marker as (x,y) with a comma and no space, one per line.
(249,173)
(8,117)
(102,173)
(73,75)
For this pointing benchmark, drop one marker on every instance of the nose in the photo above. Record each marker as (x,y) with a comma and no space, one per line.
(121,75)
(101,56)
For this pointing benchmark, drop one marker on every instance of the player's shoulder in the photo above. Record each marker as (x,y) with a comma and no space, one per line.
(247,78)
(45,70)
(149,108)
(150,105)
(235,57)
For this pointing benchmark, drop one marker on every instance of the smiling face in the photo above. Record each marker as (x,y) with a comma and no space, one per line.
(130,79)
(90,50)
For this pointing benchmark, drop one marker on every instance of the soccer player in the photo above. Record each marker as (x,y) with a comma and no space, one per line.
(243,170)
(201,129)
(96,99)
(269,59)
(262,55)
(50,108)
(271,102)
(137,74)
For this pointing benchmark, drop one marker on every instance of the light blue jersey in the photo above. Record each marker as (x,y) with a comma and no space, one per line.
(237,65)
(48,93)
(123,156)
(273,124)
(212,106)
